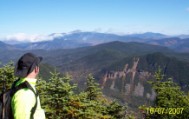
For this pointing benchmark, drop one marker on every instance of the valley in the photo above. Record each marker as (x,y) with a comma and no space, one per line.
(122,69)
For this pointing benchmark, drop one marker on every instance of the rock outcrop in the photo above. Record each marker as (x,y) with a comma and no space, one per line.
(129,81)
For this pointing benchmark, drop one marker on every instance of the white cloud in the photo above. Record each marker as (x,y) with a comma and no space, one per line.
(22,37)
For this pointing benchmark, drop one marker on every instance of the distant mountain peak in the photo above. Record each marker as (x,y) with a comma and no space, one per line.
(149,35)
(80,38)
(56,34)
(75,31)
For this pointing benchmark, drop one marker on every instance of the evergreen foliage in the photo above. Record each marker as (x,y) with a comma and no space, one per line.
(61,102)
(92,90)
(170,102)
(7,76)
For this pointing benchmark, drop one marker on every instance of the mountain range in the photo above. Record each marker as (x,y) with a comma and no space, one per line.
(95,59)
(121,64)
(77,39)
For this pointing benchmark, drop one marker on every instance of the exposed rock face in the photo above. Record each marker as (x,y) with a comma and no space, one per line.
(112,75)
(151,96)
(139,90)
(129,81)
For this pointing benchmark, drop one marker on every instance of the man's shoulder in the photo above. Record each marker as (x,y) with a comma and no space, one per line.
(24,94)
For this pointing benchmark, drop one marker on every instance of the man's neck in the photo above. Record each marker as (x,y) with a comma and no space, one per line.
(31,76)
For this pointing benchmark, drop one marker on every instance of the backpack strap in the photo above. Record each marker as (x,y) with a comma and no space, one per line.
(36,95)
(14,83)
(25,85)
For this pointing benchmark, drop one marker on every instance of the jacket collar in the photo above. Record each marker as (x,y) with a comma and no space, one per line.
(32,81)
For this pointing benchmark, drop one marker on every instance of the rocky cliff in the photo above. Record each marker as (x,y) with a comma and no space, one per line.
(129,81)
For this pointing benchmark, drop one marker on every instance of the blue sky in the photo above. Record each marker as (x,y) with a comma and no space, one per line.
(34,17)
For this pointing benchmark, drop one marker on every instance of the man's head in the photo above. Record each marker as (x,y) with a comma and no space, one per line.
(28,65)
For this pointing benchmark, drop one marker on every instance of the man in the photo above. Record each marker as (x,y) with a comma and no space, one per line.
(24,100)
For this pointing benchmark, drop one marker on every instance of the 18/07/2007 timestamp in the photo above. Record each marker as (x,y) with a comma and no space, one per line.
(160,110)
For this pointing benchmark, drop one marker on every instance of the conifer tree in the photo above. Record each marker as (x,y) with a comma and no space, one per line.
(93,90)
(7,76)
(58,94)
(116,110)
(170,100)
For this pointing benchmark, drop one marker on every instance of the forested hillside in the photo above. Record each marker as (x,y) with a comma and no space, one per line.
(122,70)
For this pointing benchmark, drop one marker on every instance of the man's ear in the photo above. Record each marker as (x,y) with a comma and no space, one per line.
(36,69)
